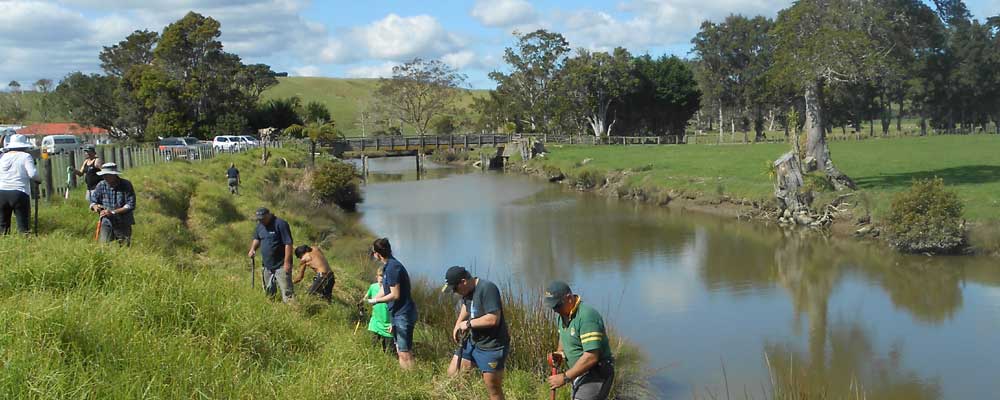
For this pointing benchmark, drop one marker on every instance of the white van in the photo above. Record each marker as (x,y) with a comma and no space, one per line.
(55,144)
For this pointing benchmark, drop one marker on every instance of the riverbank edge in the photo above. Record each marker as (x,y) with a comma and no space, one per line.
(613,184)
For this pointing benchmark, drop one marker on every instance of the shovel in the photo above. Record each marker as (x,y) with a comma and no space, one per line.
(554,360)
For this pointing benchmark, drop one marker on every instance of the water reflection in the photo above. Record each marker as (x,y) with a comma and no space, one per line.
(692,290)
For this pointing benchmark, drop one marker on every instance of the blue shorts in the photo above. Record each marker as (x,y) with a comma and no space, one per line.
(486,360)
(402,331)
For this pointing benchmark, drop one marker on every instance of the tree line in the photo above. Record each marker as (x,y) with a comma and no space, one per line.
(176,83)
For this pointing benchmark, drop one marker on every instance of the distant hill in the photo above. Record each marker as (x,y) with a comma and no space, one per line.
(344,97)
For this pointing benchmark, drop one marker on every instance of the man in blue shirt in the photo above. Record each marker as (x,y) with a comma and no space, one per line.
(402,310)
(114,199)
(233,177)
(274,238)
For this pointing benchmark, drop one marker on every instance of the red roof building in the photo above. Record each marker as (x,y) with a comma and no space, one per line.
(62,128)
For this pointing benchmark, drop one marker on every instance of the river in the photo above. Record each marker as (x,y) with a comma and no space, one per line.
(709,300)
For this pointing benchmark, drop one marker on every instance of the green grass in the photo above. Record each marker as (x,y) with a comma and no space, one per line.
(344,97)
(970,165)
(174,316)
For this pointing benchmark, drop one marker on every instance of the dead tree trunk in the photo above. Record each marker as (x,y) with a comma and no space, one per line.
(788,174)
(817,150)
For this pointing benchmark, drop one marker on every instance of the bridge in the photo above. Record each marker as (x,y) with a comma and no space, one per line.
(408,144)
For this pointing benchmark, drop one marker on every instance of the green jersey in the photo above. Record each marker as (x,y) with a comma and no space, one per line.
(380,313)
(584,332)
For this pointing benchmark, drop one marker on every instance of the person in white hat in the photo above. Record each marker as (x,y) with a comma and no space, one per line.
(114,199)
(17,171)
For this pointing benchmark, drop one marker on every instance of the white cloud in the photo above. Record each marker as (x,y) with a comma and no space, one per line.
(654,23)
(395,37)
(307,70)
(51,39)
(383,70)
(503,13)
(460,60)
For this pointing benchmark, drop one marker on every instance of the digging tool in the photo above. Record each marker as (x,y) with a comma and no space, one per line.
(253,266)
(361,317)
(97,230)
(554,361)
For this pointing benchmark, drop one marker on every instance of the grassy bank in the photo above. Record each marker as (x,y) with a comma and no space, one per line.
(970,165)
(174,316)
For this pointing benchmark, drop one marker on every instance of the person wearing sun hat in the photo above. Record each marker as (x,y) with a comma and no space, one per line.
(482,318)
(17,171)
(583,343)
(114,200)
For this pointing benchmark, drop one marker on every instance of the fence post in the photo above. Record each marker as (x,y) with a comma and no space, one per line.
(49,187)
(121,156)
(466,141)
(131,161)
(72,164)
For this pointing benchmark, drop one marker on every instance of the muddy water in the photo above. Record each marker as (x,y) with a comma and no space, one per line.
(710,300)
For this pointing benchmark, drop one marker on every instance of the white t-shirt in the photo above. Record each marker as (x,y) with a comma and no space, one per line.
(17,169)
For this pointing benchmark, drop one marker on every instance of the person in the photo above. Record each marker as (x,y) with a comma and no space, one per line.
(481,317)
(273,237)
(379,324)
(583,343)
(323,281)
(17,172)
(233,175)
(396,295)
(114,200)
(89,169)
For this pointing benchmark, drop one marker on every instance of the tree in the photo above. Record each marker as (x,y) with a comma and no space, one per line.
(136,49)
(315,132)
(90,100)
(316,112)
(821,42)
(596,81)
(43,85)
(14,86)
(420,90)
(665,99)
(736,56)
(277,113)
(254,79)
(529,87)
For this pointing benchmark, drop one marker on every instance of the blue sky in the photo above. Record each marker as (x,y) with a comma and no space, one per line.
(340,38)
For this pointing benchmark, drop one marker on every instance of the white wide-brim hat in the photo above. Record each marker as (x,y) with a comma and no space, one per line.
(109,169)
(18,142)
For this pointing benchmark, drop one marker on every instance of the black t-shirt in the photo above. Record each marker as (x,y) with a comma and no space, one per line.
(232,172)
(273,239)
(486,299)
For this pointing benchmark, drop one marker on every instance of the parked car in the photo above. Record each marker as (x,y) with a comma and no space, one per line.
(250,141)
(55,144)
(227,143)
(177,147)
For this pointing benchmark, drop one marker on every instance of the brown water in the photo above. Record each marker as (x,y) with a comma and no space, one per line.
(700,294)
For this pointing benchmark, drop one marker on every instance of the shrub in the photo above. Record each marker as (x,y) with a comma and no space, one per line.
(589,179)
(335,182)
(926,218)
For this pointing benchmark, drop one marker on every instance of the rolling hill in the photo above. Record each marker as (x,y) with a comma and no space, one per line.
(344,97)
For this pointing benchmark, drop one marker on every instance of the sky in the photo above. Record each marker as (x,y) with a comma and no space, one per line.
(360,38)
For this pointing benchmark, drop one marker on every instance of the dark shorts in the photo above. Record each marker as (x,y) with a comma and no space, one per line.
(233,182)
(322,286)
(402,330)
(595,384)
(487,361)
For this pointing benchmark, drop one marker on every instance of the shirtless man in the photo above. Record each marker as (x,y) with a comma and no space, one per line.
(324,280)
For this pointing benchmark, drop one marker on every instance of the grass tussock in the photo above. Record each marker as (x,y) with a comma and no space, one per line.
(174,315)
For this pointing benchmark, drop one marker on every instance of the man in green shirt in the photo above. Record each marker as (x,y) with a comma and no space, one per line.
(583,342)
(379,324)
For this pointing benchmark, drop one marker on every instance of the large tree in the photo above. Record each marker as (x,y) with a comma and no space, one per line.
(420,90)
(529,86)
(594,82)
(665,99)
(822,42)
(90,100)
